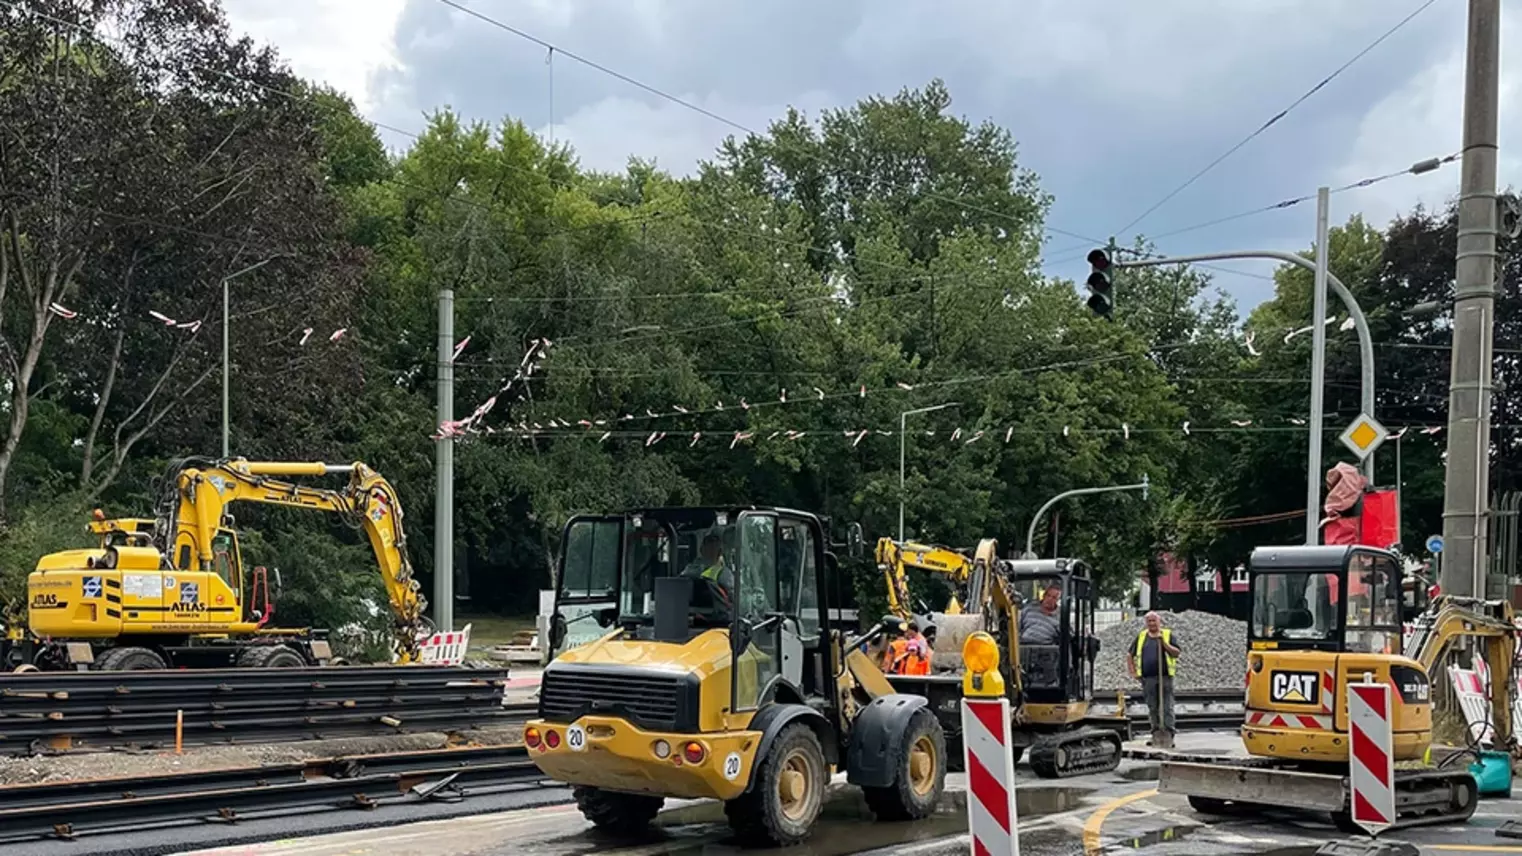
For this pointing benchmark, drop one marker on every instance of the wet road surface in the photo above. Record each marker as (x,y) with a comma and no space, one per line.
(1110,813)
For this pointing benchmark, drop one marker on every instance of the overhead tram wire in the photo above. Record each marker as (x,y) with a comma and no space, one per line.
(703,111)
(1272,119)
(1419,168)
(914,273)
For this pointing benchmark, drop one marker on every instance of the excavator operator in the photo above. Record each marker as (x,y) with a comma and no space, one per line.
(1041,623)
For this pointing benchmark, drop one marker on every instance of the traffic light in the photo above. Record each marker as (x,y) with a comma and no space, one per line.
(1102,299)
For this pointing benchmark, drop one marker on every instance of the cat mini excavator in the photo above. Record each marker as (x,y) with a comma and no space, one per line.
(173,592)
(1324,617)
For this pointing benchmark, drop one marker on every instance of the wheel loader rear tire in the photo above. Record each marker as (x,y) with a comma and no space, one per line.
(786,793)
(919,772)
(617,813)
(270,657)
(130,660)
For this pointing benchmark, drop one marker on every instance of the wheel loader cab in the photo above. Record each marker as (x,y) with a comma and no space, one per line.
(696,660)
(1323,617)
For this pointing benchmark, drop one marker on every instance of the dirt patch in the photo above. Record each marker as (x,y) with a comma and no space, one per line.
(94,765)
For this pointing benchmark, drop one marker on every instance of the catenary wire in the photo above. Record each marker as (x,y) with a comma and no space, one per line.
(1276,117)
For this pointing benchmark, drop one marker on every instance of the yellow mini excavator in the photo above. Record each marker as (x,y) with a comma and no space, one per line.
(1324,617)
(715,670)
(172,591)
(1041,613)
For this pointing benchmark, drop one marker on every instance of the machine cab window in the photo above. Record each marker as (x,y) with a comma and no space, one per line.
(1055,629)
(1334,598)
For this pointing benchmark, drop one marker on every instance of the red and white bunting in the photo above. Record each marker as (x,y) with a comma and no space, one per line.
(1371,756)
(991,816)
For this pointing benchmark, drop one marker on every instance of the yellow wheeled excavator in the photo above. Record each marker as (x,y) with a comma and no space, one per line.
(894,558)
(718,672)
(1324,617)
(173,592)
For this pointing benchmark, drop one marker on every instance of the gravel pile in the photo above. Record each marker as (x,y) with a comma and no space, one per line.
(1213,652)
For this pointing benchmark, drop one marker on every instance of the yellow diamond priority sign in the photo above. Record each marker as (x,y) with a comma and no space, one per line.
(1364,435)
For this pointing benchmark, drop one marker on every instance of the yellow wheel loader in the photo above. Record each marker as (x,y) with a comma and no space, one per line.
(1324,617)
(172,591)
(701,661)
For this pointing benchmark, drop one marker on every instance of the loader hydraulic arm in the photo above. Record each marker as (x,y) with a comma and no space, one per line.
(197,509)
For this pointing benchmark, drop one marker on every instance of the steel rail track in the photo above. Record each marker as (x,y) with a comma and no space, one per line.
(61,710)
(66,810)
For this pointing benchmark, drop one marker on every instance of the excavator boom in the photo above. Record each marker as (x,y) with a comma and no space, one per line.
(191,511)
(895,557)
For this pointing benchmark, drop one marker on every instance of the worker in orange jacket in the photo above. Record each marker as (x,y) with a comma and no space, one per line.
(918,660)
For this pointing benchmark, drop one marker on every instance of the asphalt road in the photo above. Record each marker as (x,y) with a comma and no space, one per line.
(1105,813)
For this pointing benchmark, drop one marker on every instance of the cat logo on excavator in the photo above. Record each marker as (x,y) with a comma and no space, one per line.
(1295,687)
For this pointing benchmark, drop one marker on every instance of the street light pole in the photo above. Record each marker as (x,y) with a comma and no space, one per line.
(1030,535)
(1318,371)
(902,422)
(226,304)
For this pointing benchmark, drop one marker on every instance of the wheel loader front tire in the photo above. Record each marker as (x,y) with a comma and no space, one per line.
(130,660)
(623,815)
(919,772)
(787,792)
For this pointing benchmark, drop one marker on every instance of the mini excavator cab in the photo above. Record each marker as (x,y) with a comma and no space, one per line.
(1057,646)
(1322,617)
(697,659)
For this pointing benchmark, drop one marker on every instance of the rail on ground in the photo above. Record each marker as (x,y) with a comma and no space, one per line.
(43,711)
(66,810)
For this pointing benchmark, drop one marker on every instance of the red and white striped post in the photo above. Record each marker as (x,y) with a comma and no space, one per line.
(989,752)
(1371,756)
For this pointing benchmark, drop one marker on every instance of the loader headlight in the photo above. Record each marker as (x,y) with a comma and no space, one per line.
(980,653)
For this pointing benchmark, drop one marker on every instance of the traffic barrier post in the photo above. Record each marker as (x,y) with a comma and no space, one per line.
(988,751)
(1371,755)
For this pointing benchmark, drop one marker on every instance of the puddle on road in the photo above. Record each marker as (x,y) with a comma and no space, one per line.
(1161,836)
(845,826)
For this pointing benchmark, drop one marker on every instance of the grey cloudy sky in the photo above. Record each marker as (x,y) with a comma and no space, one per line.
(1113,103)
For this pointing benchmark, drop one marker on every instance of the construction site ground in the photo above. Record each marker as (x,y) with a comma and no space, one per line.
(122,762)
(1112,812)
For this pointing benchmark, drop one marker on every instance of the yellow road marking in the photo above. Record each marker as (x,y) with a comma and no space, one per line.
(1096,821)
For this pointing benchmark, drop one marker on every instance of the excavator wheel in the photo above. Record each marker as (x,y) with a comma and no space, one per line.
(270,657)
(130,660)
(919,768)
(617,813)
(787,793)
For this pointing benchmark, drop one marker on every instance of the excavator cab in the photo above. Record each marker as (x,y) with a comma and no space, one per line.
(698,660)
(1325,598)
(1057,646)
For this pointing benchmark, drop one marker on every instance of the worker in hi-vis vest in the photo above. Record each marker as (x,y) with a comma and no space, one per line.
(1154,659)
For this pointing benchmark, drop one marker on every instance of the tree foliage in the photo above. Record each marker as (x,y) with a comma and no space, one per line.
(891,246)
